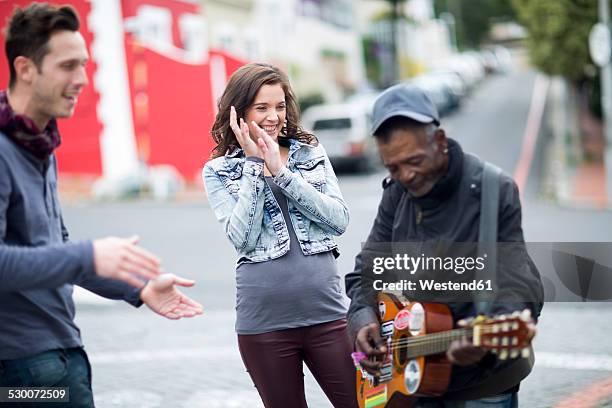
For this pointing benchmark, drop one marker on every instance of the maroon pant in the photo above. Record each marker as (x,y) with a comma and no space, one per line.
(274,362)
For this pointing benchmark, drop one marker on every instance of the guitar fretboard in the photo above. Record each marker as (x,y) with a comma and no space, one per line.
(430,344)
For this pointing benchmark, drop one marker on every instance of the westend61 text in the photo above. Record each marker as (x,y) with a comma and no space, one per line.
(429,284)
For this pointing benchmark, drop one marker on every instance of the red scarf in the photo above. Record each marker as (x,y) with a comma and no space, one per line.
(23,131)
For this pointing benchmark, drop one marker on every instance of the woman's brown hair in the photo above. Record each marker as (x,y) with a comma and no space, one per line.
(240,93)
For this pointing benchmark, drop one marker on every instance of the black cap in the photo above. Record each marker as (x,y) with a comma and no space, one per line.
(404,100)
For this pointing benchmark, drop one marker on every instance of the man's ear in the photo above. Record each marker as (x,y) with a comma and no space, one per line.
(24,69)
(440,138)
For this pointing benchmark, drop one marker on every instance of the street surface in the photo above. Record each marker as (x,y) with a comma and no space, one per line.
(142,360)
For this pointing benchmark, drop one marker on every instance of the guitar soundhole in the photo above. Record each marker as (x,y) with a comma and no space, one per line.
(402,354)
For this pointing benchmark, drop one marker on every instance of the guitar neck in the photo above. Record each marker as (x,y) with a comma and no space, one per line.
(429,344)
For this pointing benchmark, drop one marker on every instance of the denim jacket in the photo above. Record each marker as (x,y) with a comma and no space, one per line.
(251,217)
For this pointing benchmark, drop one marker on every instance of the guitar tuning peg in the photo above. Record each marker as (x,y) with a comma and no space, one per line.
(526,315)
(503,355)
(514,353)
(525,353)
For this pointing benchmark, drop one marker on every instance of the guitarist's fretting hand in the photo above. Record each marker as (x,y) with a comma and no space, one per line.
(369,342)
(463,352)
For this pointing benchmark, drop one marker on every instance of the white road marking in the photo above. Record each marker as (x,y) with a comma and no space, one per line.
(570,361)
(224,399)
(574,361)
(532,130)
(139,356)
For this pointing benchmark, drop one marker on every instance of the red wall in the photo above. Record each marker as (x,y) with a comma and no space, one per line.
(172,108)
(80,149)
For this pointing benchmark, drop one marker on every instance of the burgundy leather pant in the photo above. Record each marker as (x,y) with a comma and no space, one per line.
(274,362)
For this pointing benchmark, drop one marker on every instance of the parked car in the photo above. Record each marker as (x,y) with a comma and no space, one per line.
(503,57)
(344,131)
(452,79)
(490,61)
(467,66)
(440,93)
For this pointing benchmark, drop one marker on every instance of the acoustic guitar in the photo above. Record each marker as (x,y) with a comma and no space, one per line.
(417,336)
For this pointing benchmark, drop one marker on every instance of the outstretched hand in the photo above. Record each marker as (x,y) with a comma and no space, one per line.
(162,296)
(123,259)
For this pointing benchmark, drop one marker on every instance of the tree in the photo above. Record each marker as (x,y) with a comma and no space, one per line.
(473,18)
(395,16)
(558,35)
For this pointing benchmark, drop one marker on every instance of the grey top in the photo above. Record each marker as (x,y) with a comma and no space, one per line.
(294,290)
(37,264)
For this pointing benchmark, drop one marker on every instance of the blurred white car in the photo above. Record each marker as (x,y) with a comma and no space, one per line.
(344,131)
(467,65)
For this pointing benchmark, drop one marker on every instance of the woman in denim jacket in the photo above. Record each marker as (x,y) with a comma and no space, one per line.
(273,189)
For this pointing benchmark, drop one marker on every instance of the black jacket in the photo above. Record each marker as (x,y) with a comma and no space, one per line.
(451,211)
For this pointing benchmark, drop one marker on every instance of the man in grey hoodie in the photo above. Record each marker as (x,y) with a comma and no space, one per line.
(40,345)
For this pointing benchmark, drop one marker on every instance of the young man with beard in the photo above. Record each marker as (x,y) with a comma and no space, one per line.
(40,345)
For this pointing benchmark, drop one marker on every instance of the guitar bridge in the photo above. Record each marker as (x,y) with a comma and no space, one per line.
(386,372)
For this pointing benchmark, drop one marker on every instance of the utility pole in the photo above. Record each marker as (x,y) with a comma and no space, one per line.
(449,20)
(394,53)
(454,7)
(606,95)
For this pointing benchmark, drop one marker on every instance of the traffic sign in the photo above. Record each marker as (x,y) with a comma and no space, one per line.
(600,44)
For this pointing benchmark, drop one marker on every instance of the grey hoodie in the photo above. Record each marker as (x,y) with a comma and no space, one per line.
(38,266)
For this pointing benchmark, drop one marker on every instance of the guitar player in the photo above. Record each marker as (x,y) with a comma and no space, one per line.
(433,193)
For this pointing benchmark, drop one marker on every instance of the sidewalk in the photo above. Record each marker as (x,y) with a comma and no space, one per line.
(576,171)
(589,181)
(78,190)
(589,186)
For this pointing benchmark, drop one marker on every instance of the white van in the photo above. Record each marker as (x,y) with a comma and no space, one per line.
(344,131)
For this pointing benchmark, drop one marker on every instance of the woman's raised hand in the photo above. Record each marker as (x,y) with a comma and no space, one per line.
(242,135)
(270,150)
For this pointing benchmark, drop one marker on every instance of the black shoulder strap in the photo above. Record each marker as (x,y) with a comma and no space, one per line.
(509,373)
(487,230)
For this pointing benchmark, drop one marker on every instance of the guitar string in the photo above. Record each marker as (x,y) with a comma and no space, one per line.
(407,345)
(450,333)
(431,337)
(440,337)
(417,340)
(447,336)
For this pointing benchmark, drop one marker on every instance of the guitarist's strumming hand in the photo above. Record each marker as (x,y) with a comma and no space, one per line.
(369,342)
